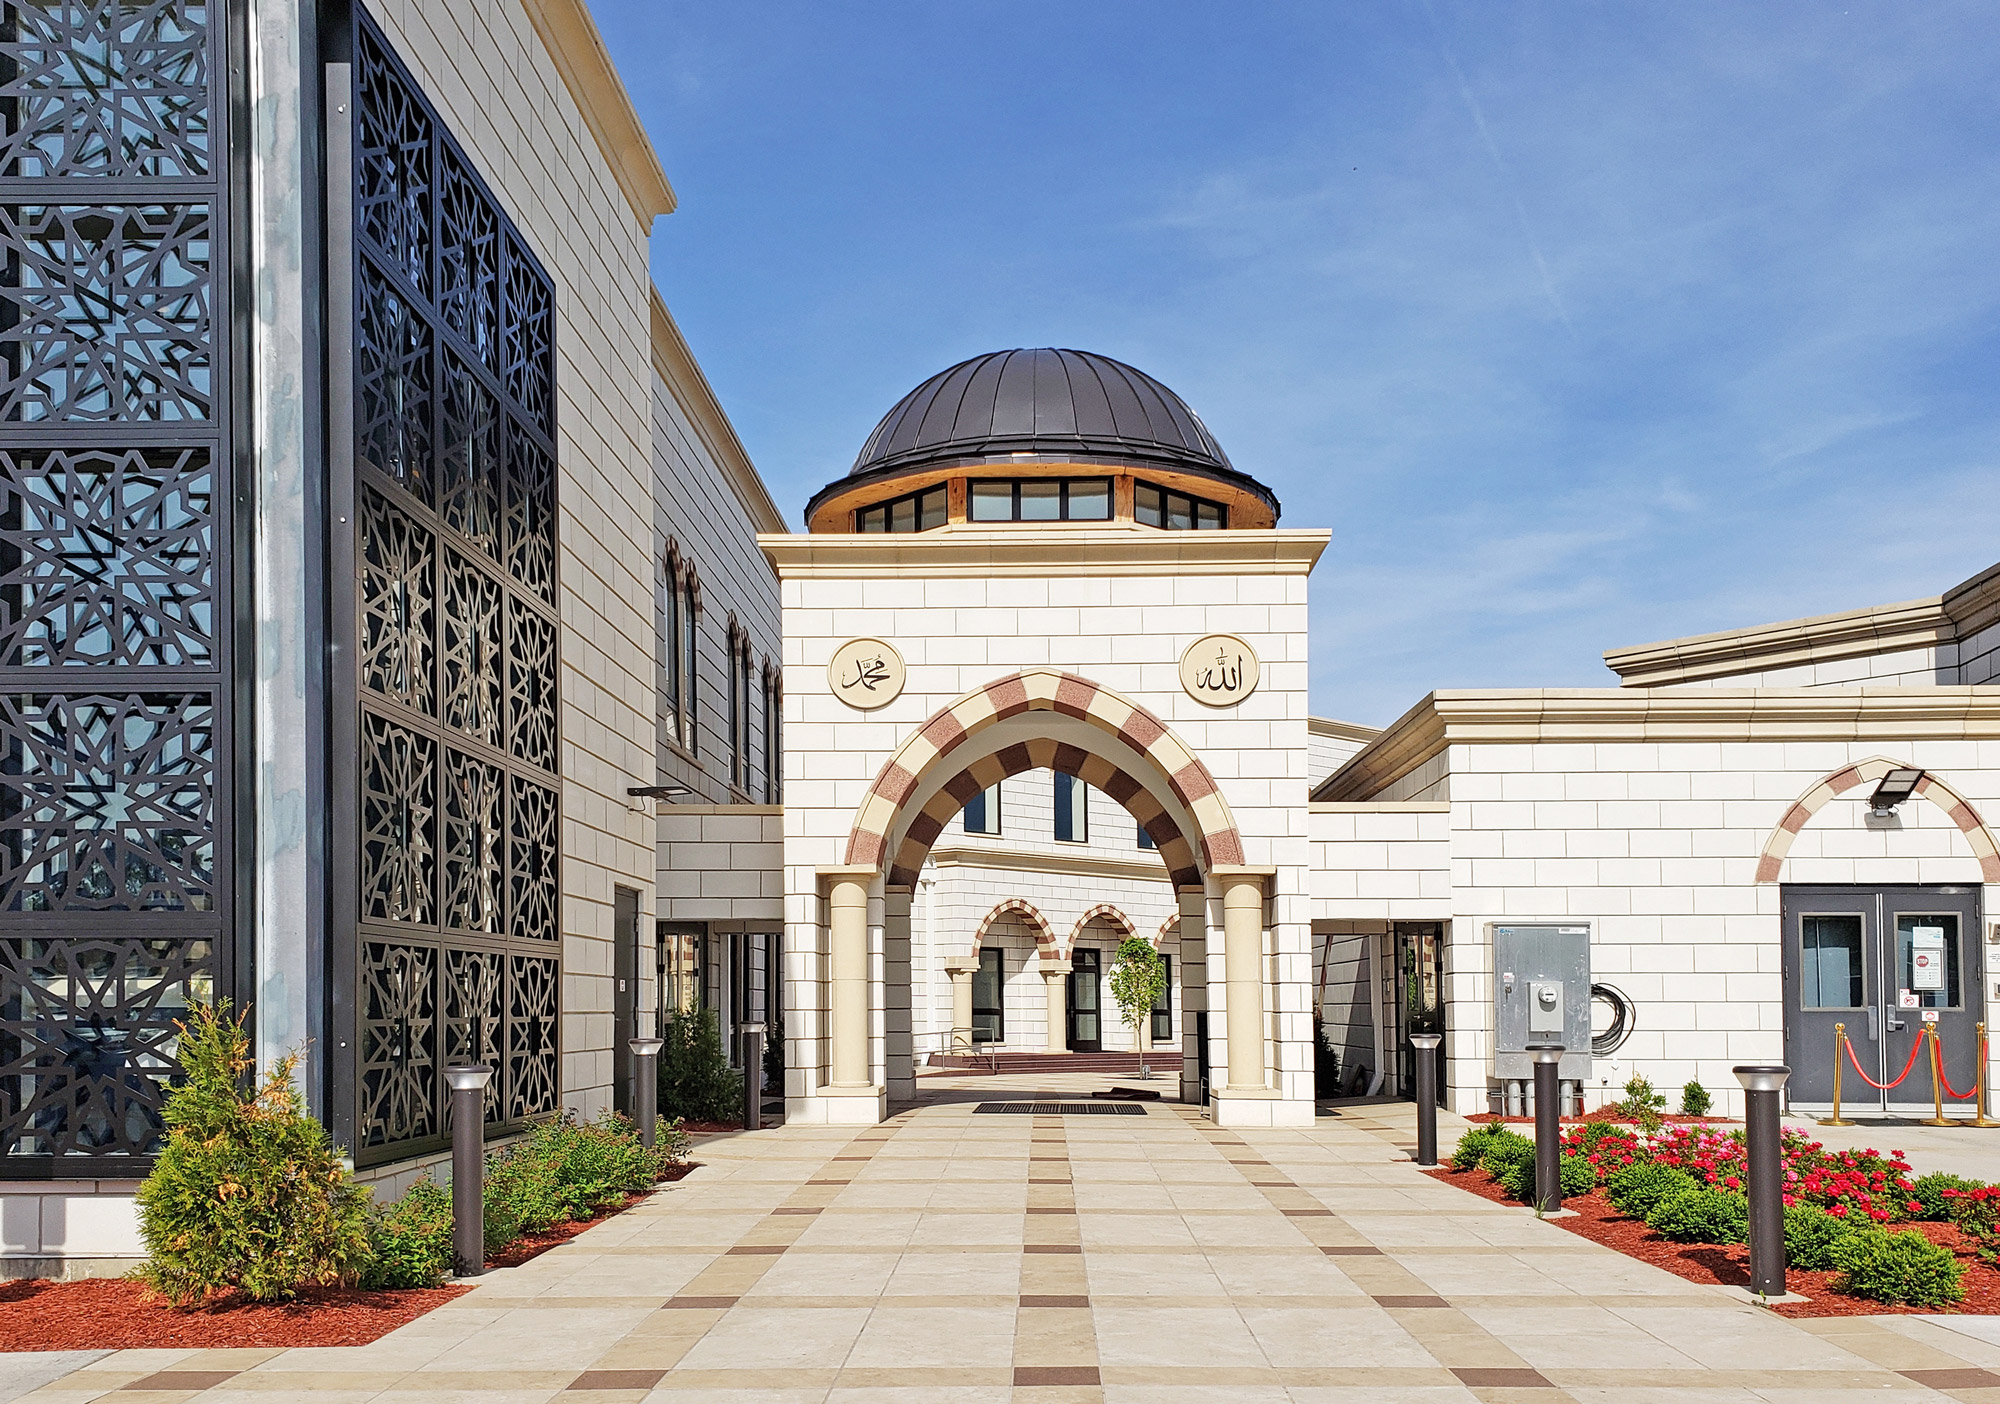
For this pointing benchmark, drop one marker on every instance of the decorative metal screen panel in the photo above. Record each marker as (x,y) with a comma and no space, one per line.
(118,787)
(456,671)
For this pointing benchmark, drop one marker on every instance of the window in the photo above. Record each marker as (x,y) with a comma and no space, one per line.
(982,812)
(1831,967)
(1072,809)
(989,1015)
(774,768)
(676,687)
(920,511)
(1163,1006)
(1146,839)
(1174,511)
(739,708)
(1934,978)
(690,651)
(1041,500)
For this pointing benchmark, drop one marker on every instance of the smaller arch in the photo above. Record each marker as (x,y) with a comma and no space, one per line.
(1109,912)
(1045,936)
(1960,811)
(1170,927)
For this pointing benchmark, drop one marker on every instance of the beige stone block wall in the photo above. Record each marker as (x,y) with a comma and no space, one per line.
(493,82)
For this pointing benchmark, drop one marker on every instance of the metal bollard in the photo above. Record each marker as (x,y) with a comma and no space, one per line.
(1839,1049)
(1762,1087)
(1937,1116)
(646,1091)
(753,1076)
(1548,1127)
(1427,1097)
(1979,1116)
(468,1166)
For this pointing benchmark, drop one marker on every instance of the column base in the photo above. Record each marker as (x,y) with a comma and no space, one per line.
(835,1105)
(1257,1107)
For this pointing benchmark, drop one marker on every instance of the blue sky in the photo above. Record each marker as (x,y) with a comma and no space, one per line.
(1580,325)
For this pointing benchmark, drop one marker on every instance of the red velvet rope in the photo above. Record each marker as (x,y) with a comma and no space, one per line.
(1937,1058)
(1915,1049)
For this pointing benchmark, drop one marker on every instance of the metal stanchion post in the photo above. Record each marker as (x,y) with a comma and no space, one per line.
(1937,1116)
(646,1086)
(468,1166)
(753,1076)
(1979,1116)
(1548,1127)
(1762,1087)
(1427,1097)
(1839,1057)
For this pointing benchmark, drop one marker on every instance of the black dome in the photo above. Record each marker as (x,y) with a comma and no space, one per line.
(1044,402)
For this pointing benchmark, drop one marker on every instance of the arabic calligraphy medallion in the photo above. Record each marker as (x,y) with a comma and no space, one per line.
(1220,670)
(866,673)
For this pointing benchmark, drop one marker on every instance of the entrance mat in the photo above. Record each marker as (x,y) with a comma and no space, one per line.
(1060,1109)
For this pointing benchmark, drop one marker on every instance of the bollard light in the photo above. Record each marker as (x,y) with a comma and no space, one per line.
(468,1166)
(753,1076)
(646,1091)
(1548,1127)
(1762,1087)
(1427,1097)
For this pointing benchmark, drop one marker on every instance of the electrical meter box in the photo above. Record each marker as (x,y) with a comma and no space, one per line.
(1541,994)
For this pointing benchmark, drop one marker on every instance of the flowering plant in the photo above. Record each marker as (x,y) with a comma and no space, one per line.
(1605,1149)
(1862,1185)
(1977,1214)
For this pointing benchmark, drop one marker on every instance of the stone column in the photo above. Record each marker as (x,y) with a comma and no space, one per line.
(1055,975)
(961,970)
(847,919)
(1243,975)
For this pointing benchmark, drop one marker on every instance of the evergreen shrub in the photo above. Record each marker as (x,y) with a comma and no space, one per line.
(696,1081)
(1701,1216)
(1811,1235)
(411,1239)
(1899,1266)
(1473,1144)
(248,1195)
(1695,1100)
(1636,1188)
(1929,1192)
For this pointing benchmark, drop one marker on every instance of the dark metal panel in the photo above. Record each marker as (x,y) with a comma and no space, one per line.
(1014,401)
(1055,402)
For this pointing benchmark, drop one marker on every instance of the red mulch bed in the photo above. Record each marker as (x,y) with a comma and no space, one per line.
(1602,1114)
(1729,1264)
(117,1313)
(710,1128)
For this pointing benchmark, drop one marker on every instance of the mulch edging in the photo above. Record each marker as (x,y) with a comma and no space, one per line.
(121,1313)
(1728,1264)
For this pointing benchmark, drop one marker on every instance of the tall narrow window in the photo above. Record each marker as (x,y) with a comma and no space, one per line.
(773,751)
(690,649)
(736,704)
(1163,1004)
(982,812)
(674,658)
(1072,809)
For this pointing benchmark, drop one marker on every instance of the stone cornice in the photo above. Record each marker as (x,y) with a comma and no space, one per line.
(1346,731)
(672,810)
(1021,860)
(1049,548)
(1379,807)
(683,375)
(1496,717)
(578,52)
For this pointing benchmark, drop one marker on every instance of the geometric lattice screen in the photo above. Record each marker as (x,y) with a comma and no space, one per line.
(116,847)
(455,944)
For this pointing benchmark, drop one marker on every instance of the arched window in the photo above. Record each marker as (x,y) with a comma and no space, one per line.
(774,750)
(689,645)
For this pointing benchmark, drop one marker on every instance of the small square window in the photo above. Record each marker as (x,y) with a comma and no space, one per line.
(931,509)
(992,502)
(1041,500)
(903,514)
(1146,508)
(1089,500)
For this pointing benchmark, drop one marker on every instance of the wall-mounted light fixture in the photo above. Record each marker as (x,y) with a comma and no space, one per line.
(637,795)
(1895,787)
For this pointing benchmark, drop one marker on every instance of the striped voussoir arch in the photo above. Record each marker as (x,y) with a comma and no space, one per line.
(1170,927)
(1030,915)
(1960,811)
(1108,913)
(1044,689)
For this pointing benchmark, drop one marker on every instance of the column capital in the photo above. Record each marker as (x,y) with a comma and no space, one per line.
(1049,966)
(962,965)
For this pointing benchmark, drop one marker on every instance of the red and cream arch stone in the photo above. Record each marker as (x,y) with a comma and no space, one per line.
(1960,810)
(1045,937)
(1109,913)
(1044,689)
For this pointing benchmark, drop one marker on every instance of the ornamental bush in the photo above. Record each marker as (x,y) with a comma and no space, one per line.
(411,1239)
(1701,1216)
(1635,1189)
(248,1195)
(1695,1100)
(1901,1266)
(1473,1145)
(1811,1235)
(1504,1151)
(1579,1176)
(1642,1104)
(696,1081)
(1977,1214)
(1864,1184)
(568,1169)
(1929,1192)
(1606,1147)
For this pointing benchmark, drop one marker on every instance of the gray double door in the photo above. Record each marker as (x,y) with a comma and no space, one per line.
(1884,962)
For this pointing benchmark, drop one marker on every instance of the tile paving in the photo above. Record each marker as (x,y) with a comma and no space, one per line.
(954,1258)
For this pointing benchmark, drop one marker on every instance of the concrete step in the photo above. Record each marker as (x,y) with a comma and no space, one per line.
(1162,1061)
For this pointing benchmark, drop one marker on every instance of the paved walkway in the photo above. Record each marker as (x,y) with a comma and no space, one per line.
(957,1256)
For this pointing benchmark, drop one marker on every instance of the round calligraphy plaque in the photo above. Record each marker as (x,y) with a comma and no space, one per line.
(1220,670)
(866,673)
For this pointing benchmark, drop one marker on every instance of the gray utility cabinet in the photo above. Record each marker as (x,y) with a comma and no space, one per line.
(1541,994)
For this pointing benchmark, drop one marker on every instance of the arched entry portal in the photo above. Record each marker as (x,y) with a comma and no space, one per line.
(1035,719)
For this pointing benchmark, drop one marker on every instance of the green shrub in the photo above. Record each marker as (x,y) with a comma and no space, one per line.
(1811,1235)
(1579,1176)
(1642,1104)
(1636,1188)
(696,1081)
(247,1195)
(1504,1149)
(1472,1146)
(1903,1266)
(411,1239)
(1701,1216)
(1518,1177)
(1977,1213)
(1928,1191)
(1695,1100)
(567,1169)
